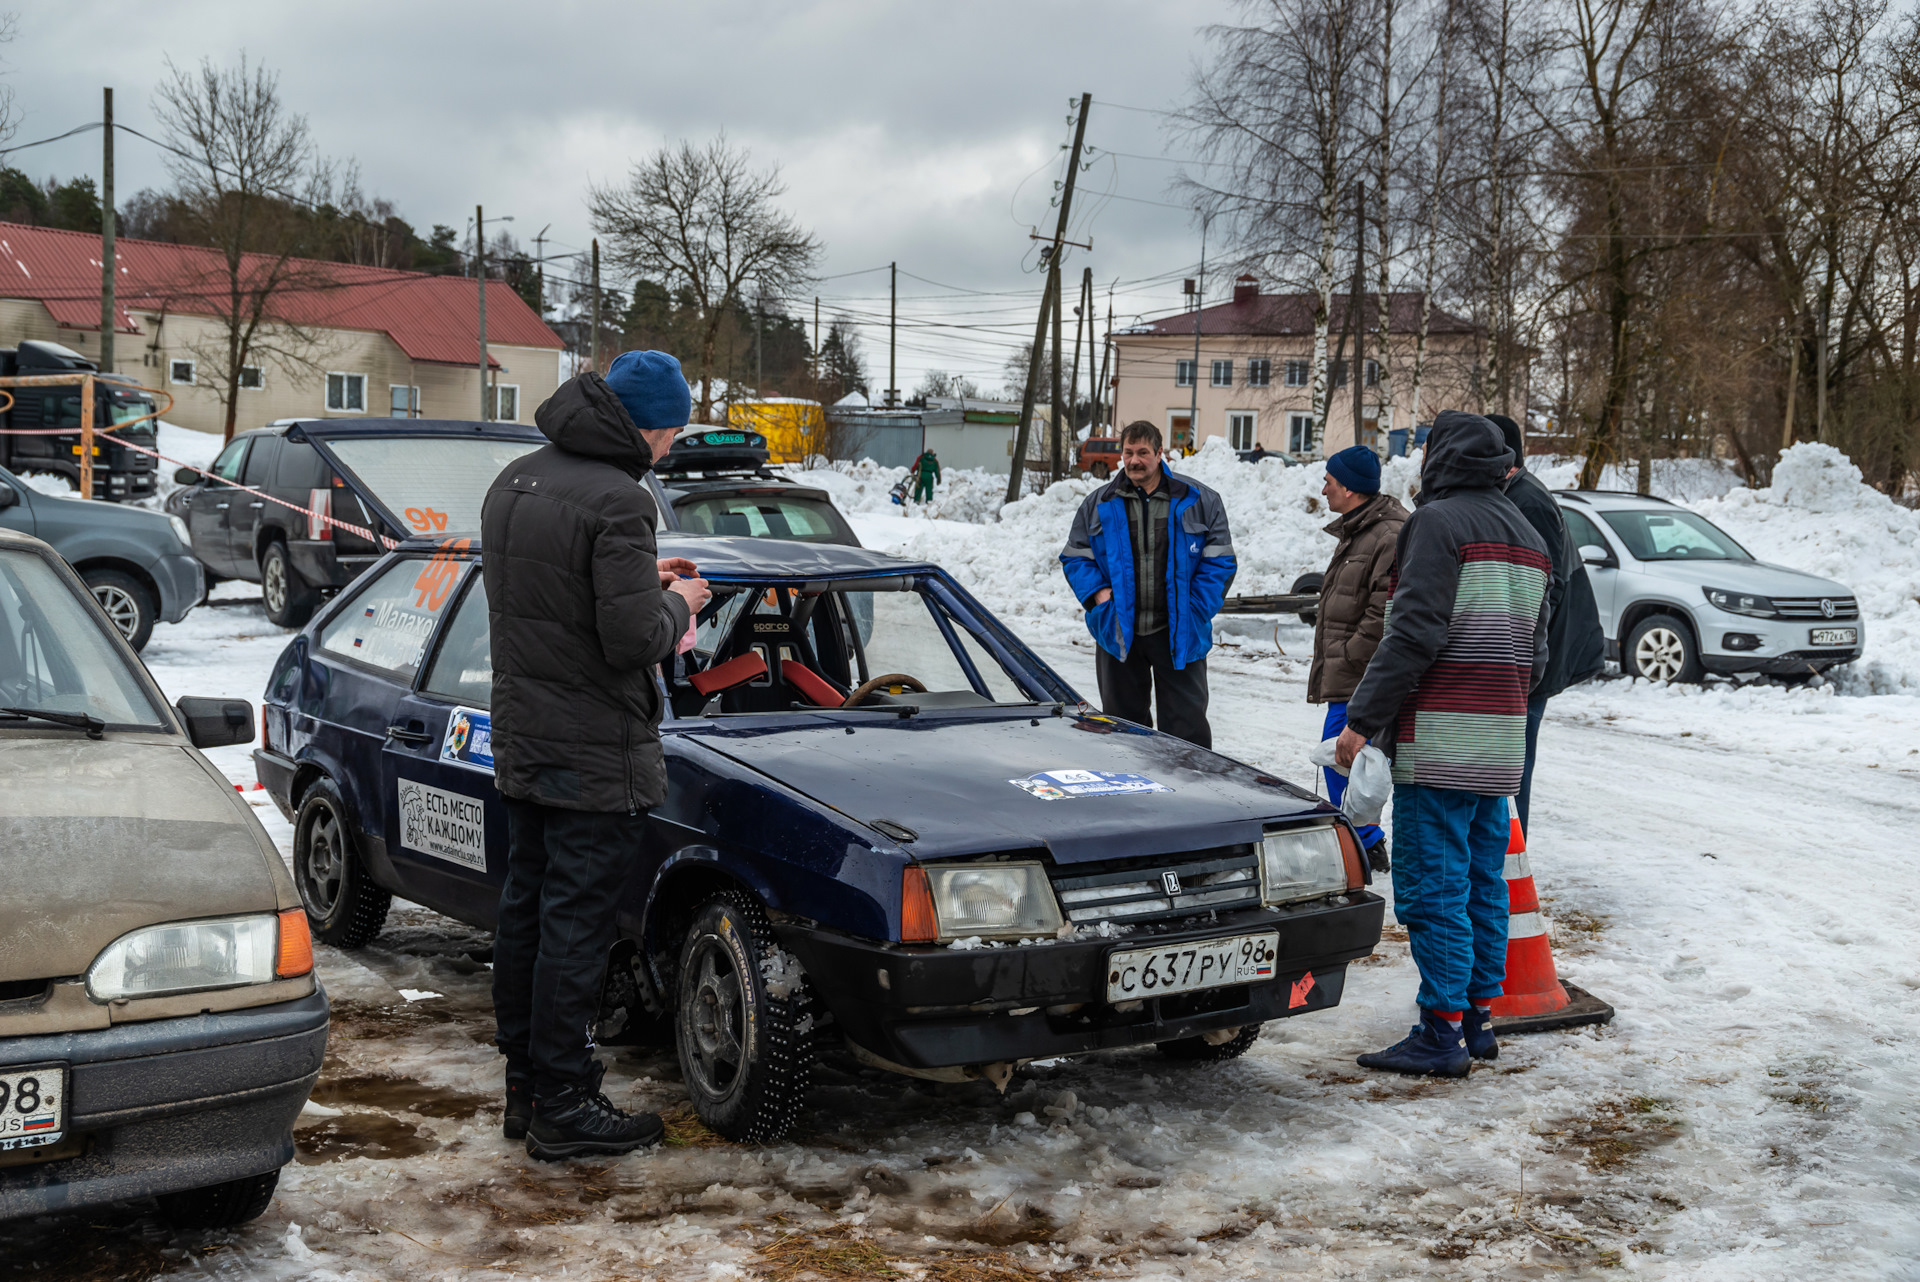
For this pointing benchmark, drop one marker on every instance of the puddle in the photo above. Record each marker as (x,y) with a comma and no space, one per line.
(371,1136)
(397,1095)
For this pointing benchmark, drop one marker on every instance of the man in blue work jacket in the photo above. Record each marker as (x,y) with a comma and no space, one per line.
(1150,559)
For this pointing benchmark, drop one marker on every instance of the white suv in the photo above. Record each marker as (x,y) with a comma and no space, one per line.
(1679,597)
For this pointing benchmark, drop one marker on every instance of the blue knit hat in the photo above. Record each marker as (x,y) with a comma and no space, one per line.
(652,388)
(1357,468)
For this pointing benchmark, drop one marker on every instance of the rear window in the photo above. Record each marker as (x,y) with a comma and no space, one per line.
(1103,447)
(434,484)
(766,516)
(388,625)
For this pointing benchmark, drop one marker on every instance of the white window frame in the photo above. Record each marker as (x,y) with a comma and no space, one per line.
(493,401)
(413,400)
(1183,372)
(1304,369)
(1220,374)
(173,372)
(345,376)
(1300,434)
(1260,372)
(259,373)
(1243,418)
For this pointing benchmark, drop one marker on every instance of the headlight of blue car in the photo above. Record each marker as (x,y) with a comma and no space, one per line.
(1302,863)
(1012,900)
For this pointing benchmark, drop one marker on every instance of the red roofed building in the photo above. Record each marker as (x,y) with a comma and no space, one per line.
(1255,371)
(369,341)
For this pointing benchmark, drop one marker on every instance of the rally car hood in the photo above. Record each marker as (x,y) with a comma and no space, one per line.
(966,785)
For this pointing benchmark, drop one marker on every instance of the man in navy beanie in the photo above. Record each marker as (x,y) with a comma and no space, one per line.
(581,609)
(1353,603)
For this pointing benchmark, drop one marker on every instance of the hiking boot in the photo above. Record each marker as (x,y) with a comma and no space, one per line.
(1476,1025)
(519,1106)
(1431,1048)
(1377,857)
(581,1122)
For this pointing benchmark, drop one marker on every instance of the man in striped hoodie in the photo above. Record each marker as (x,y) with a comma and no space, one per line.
(1446,696)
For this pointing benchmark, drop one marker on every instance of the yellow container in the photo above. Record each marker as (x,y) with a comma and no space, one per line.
(794,428)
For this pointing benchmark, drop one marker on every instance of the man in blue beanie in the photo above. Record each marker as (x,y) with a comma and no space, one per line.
(1353,603)
(581,609)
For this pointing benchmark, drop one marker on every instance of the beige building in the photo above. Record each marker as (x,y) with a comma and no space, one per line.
(358,342)
(1255,372)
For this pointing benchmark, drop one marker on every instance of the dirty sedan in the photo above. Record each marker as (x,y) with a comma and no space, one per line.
(889,827)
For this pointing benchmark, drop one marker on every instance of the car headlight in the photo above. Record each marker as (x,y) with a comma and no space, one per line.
(1760,607)
(1303,863)
(190,956)
(992,899)
(181,532)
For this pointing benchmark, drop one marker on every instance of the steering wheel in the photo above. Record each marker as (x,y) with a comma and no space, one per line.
(860,692)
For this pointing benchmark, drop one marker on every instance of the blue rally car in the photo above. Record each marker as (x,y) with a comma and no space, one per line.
(889,827)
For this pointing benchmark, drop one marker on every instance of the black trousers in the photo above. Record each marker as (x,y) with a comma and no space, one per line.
(565,873)
(1148,672)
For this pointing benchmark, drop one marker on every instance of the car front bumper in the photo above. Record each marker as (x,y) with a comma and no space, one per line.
(929,1007)
(170,1104)
(182,584)
(1774,646)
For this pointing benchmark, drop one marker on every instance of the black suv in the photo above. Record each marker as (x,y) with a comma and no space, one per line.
(718,483)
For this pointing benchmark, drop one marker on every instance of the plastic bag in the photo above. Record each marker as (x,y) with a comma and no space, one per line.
(1369,780)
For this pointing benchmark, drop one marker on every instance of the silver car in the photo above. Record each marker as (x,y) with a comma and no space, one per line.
(1679,597)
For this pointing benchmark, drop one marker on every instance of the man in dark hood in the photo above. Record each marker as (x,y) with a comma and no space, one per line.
(581,610)
(1576,646)
(1446,696)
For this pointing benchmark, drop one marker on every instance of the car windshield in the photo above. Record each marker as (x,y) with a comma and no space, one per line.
(55,656)
(775,516)
(434,483)
(1673,535)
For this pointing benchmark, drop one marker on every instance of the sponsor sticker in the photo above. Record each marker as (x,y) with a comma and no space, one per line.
(446,825)
(1059,785)
(469,739)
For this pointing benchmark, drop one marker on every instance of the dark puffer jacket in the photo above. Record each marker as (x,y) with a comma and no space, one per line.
(1353,597)
(578,615)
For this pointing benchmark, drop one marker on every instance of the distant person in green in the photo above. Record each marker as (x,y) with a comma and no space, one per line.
(925,471)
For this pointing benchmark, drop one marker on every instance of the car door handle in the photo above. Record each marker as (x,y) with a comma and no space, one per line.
(412,732)
(221,506)
(256,505)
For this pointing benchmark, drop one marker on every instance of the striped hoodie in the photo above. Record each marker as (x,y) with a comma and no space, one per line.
(1466,628)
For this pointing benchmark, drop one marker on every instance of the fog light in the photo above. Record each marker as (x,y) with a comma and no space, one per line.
(1739,641)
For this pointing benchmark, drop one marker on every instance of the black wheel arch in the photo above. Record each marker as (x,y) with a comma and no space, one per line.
(137,572)
(1637,613)
(691,878)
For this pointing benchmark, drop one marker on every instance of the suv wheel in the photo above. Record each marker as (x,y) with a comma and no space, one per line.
(289,599)
(1197,1050)
(343,905)
(1661,648)
(1101,471)
(1312,581)
(126,602)
(220,1206)
(744,1052)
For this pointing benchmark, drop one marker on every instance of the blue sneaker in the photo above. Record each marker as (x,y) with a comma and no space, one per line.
(1477,1025)
(1431,1048)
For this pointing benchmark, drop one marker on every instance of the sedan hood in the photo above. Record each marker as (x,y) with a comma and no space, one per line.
(100,838)
(1759,577)
(967,785)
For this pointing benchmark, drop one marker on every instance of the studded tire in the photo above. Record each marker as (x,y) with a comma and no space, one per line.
(1195,1050)
(741,1023)
(344,907)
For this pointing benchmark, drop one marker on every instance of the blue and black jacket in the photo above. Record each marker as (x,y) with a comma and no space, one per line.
(1200,565)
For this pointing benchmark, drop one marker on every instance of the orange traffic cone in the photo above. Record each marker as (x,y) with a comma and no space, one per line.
(1534,999)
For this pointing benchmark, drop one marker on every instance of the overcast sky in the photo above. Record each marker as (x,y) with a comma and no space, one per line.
(926,133)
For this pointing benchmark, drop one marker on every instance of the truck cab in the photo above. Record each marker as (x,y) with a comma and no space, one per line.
(119,473)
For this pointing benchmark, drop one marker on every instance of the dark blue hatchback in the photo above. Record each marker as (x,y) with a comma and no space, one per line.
(889,827)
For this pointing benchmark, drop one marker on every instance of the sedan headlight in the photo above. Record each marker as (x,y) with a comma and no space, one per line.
(1760,607)
(191,956)
(1302,863)
(992,900)
(181,532)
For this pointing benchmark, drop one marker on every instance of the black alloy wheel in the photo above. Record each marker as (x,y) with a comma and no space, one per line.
(744,1052)
(289,599)
(344,907)
(1197,1050)
(127,603)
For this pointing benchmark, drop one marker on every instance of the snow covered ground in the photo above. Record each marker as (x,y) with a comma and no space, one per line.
(1726,865)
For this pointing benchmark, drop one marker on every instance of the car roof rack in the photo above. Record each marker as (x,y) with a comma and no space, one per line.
(1577,493)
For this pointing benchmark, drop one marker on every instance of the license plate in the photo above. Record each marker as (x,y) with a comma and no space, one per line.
(1185,968)
(1834,636)
(33,1106)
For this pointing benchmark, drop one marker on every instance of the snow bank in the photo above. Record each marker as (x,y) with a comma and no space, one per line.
(1684,480)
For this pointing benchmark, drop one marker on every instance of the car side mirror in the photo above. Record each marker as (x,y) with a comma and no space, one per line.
(216,723)
(8,496)
(1594,554)
(185,476)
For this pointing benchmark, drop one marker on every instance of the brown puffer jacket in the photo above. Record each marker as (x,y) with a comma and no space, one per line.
(1353,599)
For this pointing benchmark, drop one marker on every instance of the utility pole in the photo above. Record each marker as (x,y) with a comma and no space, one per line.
(1199,299)
(480,270)
(1048,299)
(1081,320)
(1354,298)
(540,269)
(816,338)
(893,318)
(1102,408)
(593,343)
(106,242)
(759,344)
(1057,468)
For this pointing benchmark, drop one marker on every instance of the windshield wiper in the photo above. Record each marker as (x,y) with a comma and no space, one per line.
(94,726)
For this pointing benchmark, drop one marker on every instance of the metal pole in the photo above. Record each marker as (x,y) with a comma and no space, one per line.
(106,241)
(1056,424)
(593,343)
(1103,408)
(86,437)
(1199,298)
(1021,430)
(893,321)
(816,338)
(480,270)
(1358,368)
(759,344)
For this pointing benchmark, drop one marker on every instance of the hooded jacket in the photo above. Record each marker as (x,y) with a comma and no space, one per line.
(1466,630)
(1352,613)
(1576,646)
(577,613)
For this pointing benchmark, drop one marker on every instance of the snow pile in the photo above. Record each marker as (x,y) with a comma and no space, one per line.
(972,495)
(1684,480)
(1820,517)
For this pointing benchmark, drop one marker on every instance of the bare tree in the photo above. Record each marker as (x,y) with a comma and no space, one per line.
(702,220)
(245,175)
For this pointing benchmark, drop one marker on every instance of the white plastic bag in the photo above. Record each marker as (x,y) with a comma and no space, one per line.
(1369,780)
